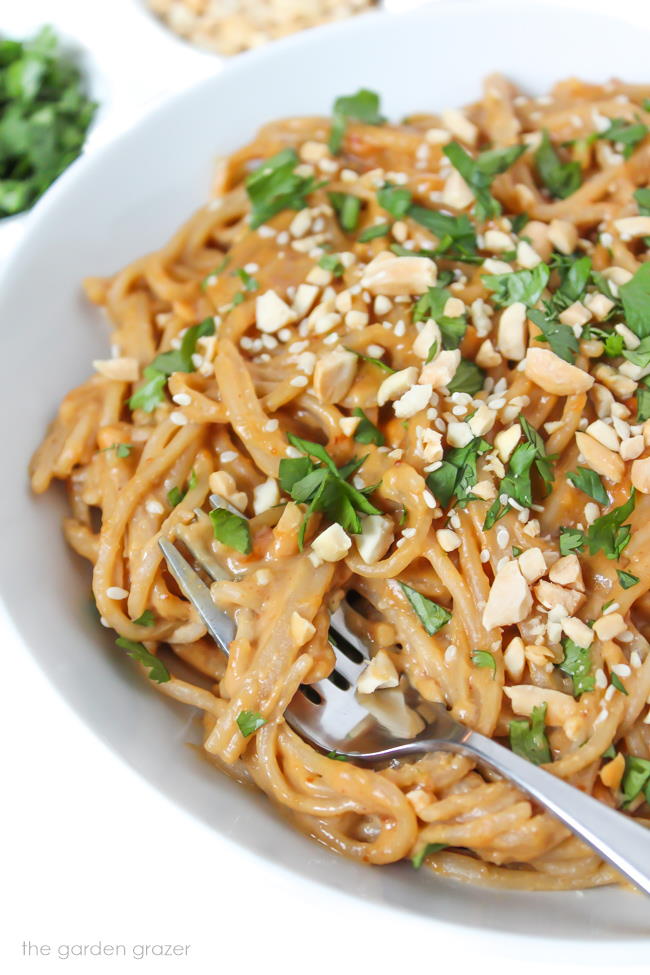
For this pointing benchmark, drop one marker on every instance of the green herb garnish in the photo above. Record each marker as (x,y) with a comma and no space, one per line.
(636,778)
(525,286)
(147,619)
(528,737)
(468,378)
(367,432)
(137,651)
(590,483)
(577,663)
(608,533)
(275,186)
(626,579)
(371,233)
(618,684)
(418,858)
(483,658)
(231,530)
(362,107)
(561,179)
(333,263)
(479,173)
(249,722)
(432,616)
(347,208)
(457,473)
(395,199)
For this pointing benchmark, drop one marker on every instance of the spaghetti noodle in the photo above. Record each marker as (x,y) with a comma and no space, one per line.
(415,356)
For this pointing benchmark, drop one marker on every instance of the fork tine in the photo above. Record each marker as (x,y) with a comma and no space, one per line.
(220,625)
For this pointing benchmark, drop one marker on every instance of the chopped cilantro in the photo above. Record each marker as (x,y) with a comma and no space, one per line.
(175,496)
(432,616)
(333,263)
(395,199)
(480,172)
(456,235)
(561,179)
(627,134)
(367,432)
(180,360)
(249,722)
(137,651)
(608,533)
(526,285)
(643,401)
(44,117)
(636,778)
(122,450)
(371,360)
(347,208)
(249,282)
(150,394)
(457,473)
(468,378)
(588,481)
(431,305)
(371,233)
(362,107)
(577,663)
(626,579)
(418,858)
(483,658)
(571,540)
(324,487)
(561,338)
(635,295)
(147,619)
(275,186)
(337,757)
(618,684)
(528,737)
(231,530)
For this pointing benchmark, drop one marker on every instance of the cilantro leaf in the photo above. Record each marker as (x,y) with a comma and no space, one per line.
(468,378)
(628,134)
(432,616)
(137,651)
(528,737)
(456,234)
(275,186)
(324,487)
(362,107)
(337,757)
(150,394)
(175,496)
(418,858)
(367,432)
(249,722)
(642,197)
(368,358)
(483,658)
(571,540)
(395,199)
(643,401)
(588,481)
(146,619)
(371,233)
(431,305)
(619,685)
(526,285)
(561,179)
(231,530)
(626,579)
(457,473)
(480,172)
(636,778)
(180,360)
(347,208)
(560,337)
(577,663)
(333,263)
(575,274)
(635,295)
(608,533)
(44,117)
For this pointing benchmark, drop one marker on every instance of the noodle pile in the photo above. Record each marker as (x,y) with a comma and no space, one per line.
(460,304)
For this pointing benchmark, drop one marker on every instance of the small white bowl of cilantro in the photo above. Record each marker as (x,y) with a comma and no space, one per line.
(45,114)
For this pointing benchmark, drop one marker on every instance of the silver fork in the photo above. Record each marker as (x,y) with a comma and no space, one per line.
(328,715)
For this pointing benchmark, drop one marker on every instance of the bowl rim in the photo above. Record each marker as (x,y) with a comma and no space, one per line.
(229,72)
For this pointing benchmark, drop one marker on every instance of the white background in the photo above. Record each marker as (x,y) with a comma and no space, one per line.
(92,853)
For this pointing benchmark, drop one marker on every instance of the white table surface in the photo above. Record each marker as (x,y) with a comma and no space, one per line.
(91,852)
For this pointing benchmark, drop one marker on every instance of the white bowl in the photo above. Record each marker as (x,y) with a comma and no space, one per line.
(127,198)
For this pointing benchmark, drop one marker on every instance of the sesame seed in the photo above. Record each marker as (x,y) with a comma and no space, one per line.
(601,679)
(115,592)
(228,456)
(621,670)
(503,537)
(153,507)
(177,418)
(635,660)
(271,426)
(408,532)
(485,555)
(182,399)
(612,608)
(429,499)
(299,381)
(610,692)
(292,452)
(450,653)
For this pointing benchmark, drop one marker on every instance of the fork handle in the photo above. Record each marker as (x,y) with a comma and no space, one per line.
(616,838)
